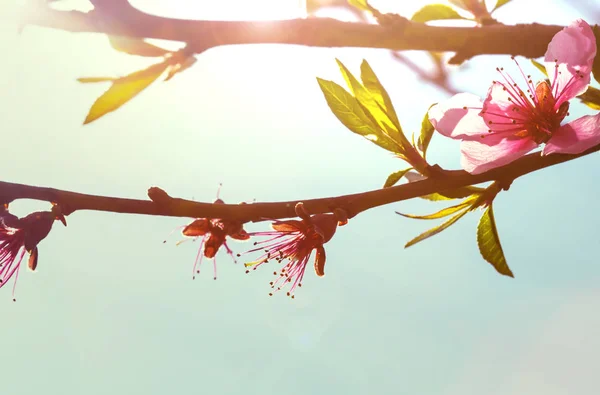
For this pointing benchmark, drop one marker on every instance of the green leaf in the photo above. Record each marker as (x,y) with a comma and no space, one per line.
(539,66)
(427,130)
(435,12)
(591,98)
(350,112)
(312,6)
(500,3)
(179,67)
(375,107)
(460,4)
(442,213)
(437,229)
(395,177)
(124,89)
(489,243)
(435,197)
(136,46)
(456,193)
(596,64)
(372,84)
(360,4)
(92,80)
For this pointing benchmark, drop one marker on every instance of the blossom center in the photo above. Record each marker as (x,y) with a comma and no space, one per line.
(545,118)
(535,113)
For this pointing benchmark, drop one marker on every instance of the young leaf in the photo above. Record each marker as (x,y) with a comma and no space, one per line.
(372,84)
(442,213)
(376,107)
(499,4)
(437,229)
(136,46)
(456,193)
(427,130)
(489,243)
(395,177)
(435,197)
(352,114)
(93,80)
(360,4)
(539,66)
(591,98)
(459,4)
(124,89)
(179,67)
(435,12)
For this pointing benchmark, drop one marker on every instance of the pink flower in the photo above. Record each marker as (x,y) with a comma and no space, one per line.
(511,121)
(295,241)
(18,236)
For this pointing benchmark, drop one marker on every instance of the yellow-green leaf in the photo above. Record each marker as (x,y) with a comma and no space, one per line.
(437,229)
(456,193)
(442,213)
(539,66)
(350,112)
(124,89)
(427,130)
(395,177)
(500,3)
(136,46)
(367,99)
(179,67)
(591,98)
(360,4)
(93,80)
(372,84)
(435,197)
(435,12)
(375,105)
(312,6)
(489,243)
(459,4)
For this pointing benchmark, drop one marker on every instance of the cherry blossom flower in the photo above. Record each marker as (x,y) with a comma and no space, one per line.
(511,122)
(295,241)
(214,233)
(18,236)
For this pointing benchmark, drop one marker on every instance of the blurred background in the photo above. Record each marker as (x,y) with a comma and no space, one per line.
(113,310)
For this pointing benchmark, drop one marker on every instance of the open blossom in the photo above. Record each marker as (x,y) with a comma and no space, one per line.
(512,120)
(294,241)
(18,236)
(214,233)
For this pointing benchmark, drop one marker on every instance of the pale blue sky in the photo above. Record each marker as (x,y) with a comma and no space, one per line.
(113,310)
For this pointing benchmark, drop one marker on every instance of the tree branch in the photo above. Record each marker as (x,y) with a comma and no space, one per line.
(164,205)
(527,40)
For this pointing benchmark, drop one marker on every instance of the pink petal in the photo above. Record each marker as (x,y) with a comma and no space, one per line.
(458,117)
(493,151)
(288,226)
(576,136)
(573,50)
(504,109)
(413,176)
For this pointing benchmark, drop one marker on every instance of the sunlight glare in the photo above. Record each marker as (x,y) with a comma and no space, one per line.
(225,9)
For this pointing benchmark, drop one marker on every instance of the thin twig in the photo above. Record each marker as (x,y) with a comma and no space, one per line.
(164,205)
